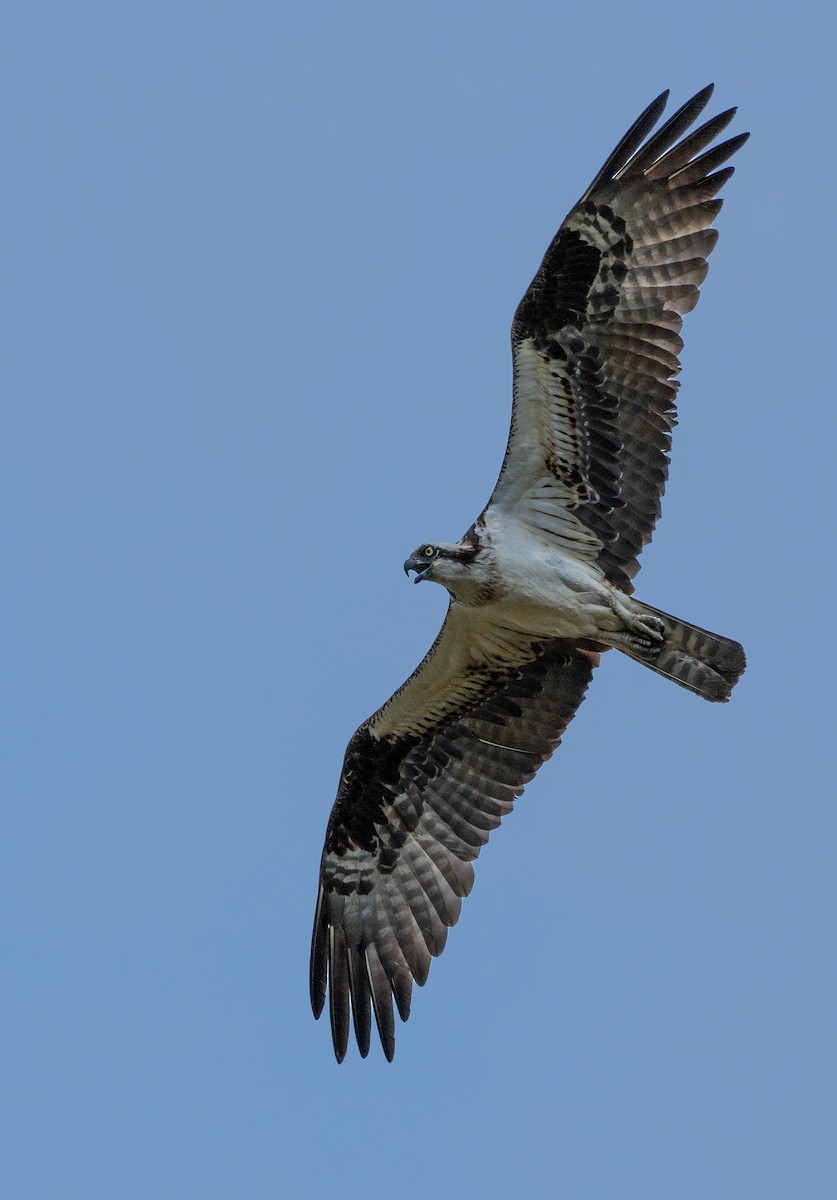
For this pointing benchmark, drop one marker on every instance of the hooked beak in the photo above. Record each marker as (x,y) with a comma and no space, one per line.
(421,567)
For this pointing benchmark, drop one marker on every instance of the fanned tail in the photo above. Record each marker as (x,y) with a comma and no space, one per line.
(703,662)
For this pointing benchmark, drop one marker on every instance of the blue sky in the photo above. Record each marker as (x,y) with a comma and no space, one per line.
(259,269)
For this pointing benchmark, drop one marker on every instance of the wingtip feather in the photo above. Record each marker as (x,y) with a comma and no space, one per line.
(338,991)
(381,993)
(317,974)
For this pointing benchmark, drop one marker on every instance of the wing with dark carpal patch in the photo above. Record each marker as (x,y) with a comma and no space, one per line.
(415,805)
(596,341)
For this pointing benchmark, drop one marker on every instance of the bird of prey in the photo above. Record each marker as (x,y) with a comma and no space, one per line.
(541,583)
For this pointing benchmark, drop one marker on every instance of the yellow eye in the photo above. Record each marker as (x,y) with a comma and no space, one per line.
(429,551)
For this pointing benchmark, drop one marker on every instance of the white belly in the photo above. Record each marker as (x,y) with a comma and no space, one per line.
(544,592)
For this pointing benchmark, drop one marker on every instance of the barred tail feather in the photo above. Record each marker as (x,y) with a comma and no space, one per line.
(703,662)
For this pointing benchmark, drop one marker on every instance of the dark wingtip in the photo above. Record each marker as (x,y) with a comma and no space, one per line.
(359,988)
(338,991)
(317,973)
(631,141)
(655,109)
(381,993)
(719,178)
(402,989)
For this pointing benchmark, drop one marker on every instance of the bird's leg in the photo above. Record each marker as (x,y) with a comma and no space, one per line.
(644,633)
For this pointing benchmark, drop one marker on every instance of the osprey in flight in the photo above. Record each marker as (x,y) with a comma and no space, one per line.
(540,584)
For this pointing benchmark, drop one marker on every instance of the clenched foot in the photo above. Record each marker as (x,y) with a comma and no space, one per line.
(650,627)
(644,633)
(644,638)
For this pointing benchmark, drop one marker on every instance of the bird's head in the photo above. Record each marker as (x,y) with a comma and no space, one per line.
(455,567)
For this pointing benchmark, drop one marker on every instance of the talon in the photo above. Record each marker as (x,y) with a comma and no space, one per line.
(643,646)
(652,628)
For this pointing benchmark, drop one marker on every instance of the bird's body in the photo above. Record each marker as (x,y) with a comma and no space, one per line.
(524,582)
(540,584)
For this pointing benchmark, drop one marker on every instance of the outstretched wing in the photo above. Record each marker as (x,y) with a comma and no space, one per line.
(596,339)
(424,782)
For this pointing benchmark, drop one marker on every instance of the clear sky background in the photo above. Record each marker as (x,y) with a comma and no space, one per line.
(258,269)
